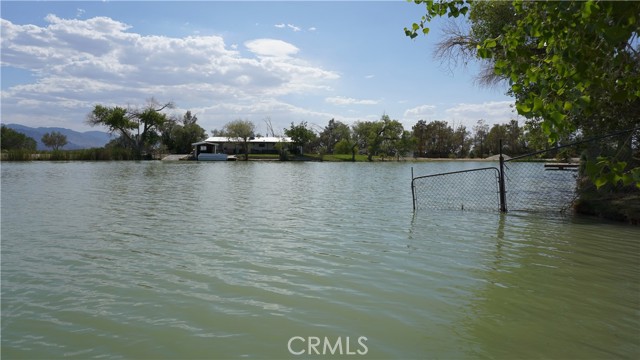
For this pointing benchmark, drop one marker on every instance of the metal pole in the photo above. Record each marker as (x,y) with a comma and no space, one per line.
(503,201)
(413,193)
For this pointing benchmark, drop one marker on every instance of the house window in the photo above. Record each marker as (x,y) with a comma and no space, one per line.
(203,147)
(261,145)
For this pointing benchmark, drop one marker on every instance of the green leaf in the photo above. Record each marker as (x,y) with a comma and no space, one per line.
(585,99)
(600,181)
(558,117)
(537,105)
(483,53)
(586,9)
(523,108)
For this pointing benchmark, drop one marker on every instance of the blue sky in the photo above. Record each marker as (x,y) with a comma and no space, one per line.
(286,61)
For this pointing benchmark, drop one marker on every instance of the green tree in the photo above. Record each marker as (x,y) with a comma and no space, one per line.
(13,140)
(301,135)
(461,142)
(344,146)
(242,130)
(573,65)
(497,133)
(334,132)
(481,130)
(55,140)
(420,136)
(361,131)
(393,141)
(178,135)
(440,139)
(406,144)
(138,128)
(382,137)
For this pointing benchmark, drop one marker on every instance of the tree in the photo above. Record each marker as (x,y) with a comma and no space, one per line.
(54,140)
(138,127)
(361,131)
(179,137)
(573,65)
(344,146)
(301,135)
(240,130)
(420,136)
(497,133)
(334,132)
(384,136)
(440,139)
(481,131)
(394,140)
(461,142)
(13,140)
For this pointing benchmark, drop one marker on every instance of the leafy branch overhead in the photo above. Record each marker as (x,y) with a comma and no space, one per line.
(573,65)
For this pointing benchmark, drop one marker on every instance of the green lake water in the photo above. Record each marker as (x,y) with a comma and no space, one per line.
(141,260)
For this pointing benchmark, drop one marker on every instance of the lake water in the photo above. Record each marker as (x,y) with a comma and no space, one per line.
(268,260)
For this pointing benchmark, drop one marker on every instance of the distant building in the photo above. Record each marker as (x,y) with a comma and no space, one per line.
(233,146)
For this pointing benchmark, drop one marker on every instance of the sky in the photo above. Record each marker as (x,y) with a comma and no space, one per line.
(287,61)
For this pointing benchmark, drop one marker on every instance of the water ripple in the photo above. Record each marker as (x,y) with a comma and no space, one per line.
(202,260)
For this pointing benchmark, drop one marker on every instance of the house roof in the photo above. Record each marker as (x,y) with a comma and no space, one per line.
(264,139)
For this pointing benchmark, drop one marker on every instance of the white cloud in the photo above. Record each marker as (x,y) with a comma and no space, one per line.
(271,47)
(422,112)
(493,112)
(294,28)
(79,63)
(370,76)
(313,28)
(341,100)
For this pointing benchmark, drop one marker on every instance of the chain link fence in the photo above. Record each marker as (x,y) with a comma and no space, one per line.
(536,186)
(543,181)
(476,189)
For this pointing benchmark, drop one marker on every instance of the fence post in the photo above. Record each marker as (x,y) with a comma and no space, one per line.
(413,191)
(503,201)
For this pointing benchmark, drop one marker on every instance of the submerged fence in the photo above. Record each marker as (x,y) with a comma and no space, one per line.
(542,181)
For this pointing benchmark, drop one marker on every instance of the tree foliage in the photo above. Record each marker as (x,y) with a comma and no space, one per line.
(178,135)
(573,66)
(333,133)
(138,128)
(55,140)
(242,130)
(13,140)
(301,135)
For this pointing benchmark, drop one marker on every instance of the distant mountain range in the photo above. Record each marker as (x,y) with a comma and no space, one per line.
(76,140)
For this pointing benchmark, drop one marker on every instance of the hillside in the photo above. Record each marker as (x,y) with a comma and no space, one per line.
(76,140)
